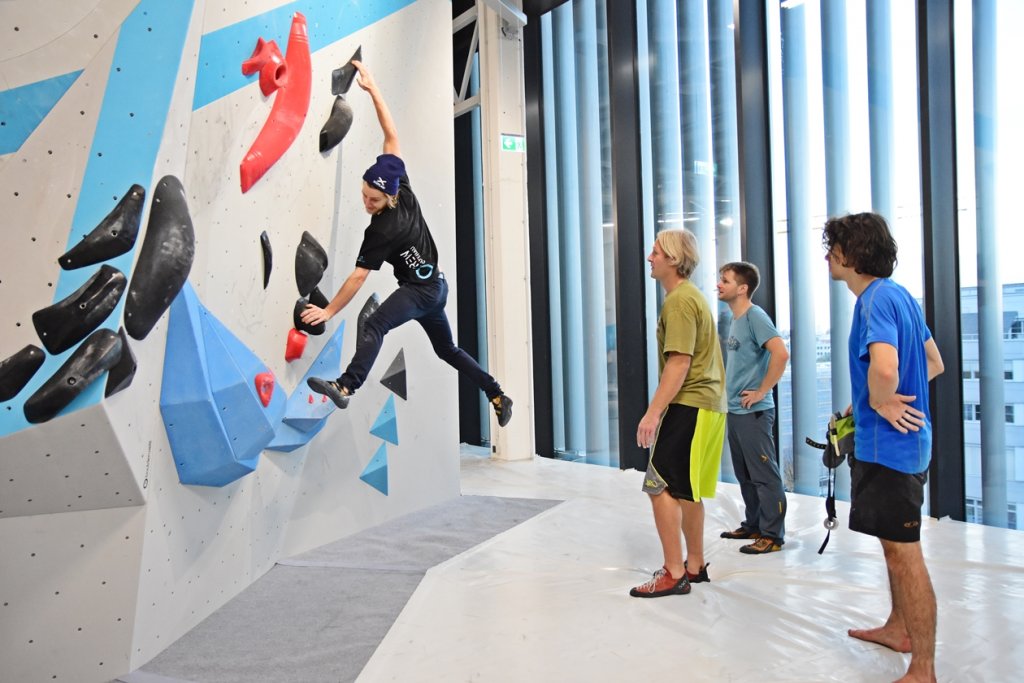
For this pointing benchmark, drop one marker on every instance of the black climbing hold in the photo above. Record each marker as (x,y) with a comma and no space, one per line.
(316,298)
(394,376)
(310,264)
(165,259)
(268,257)
(337,126)
(368,309)
(18,369)
(96,355)
(71,319)
(122,374)
(342,77)
(115,234)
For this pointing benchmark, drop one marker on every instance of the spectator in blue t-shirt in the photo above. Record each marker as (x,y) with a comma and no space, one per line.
(756,359)
(892,358)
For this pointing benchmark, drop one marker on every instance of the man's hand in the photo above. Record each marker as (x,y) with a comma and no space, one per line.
(902,416)
(749,397)
(314,315)
(646,430)
(365,79)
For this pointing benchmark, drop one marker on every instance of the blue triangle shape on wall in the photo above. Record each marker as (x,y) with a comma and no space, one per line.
(386,425)
(376,472)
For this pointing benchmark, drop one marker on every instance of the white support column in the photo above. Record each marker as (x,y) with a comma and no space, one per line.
(502,109)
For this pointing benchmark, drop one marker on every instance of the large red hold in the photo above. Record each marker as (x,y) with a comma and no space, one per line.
(289,112)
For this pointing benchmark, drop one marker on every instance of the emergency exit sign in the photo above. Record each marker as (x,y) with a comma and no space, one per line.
(513,143)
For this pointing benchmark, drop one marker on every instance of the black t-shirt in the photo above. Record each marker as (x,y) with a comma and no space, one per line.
(401,237)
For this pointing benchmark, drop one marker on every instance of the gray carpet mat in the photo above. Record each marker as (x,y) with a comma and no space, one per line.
(320,615)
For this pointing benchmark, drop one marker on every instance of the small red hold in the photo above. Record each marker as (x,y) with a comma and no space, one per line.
(269,62)
(265,387)
(295,346)
(311,399)
(323,399)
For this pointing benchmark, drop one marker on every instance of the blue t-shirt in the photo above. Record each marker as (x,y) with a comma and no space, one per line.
(886,312)
(747,361)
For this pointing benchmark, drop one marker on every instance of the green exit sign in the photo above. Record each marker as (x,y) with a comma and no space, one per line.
(513,143)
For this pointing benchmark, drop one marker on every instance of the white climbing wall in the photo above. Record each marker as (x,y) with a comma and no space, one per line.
(107,559)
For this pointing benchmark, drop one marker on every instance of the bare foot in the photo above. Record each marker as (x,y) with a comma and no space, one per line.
(914,678)
(898,641)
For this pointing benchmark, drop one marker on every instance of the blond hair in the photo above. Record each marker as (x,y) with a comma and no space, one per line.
(680,246)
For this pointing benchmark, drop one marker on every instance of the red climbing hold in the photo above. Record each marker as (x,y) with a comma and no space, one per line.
(289,111)
(296,345)
(265,387)
(268,60)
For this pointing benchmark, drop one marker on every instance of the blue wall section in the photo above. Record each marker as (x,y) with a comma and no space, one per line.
(222,52)
(22,109)
(124,148)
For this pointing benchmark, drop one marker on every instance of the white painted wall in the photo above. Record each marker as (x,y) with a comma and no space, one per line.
(119,585)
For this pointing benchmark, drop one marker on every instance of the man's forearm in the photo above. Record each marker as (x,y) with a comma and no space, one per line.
(776,368)
(387,124)
(882,385)
(345,294)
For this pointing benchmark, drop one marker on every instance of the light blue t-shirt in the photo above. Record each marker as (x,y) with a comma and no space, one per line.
(747,361)
(886,312)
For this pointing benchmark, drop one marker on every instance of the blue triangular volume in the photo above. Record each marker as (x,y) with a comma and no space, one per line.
(376,472)
(234,392)
(386,426)
(200,444)
(307,411)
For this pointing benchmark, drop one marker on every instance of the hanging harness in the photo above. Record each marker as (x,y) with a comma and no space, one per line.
(838,444)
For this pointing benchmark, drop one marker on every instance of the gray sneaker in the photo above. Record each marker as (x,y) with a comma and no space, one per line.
(330,389)
(502,408)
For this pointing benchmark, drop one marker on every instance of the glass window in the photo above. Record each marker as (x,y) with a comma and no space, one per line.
(863,102)
(990,144)
(580,232)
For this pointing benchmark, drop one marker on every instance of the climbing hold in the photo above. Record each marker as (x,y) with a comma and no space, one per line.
(265,387)
(67,322)
(295,346)
(268,257)
(342,77)
(97,354)
(369,308)
(164,260)
(122,374)
(288,113)
(316,298)
(394,376)
(115,234)
(310,264)
(376,471)
(268,60)
(338,124)
(16,370)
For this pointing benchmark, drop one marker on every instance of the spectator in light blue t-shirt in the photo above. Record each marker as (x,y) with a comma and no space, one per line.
(756,359)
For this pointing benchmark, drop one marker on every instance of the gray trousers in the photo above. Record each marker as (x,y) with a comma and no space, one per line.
(753,459)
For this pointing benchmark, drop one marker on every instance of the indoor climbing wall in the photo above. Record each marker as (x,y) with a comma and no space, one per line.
(178,179)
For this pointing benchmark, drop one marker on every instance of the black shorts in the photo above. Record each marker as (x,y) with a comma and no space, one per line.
(686,453)
(886,503)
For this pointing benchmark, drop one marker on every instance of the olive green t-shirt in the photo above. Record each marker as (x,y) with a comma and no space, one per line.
(687,325)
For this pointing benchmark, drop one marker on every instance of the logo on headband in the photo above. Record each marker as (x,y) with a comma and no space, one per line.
(381,183)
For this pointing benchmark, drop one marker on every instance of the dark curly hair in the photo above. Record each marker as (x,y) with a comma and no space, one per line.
(865,240)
